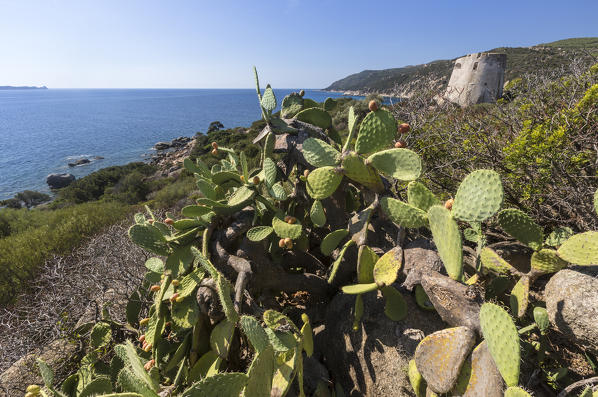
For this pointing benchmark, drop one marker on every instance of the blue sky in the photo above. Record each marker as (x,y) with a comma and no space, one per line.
(294,44)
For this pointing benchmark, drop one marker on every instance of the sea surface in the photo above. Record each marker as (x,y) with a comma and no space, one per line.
(43,130)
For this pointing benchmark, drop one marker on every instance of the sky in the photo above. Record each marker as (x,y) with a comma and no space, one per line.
(293,43)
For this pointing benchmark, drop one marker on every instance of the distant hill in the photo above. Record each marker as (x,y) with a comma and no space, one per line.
(10,87)
(403,81)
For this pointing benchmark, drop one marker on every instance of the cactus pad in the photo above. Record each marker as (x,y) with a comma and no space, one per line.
(515,391)
(320,154)
(241,197)
(547,261)
(377,131)
(418,195)
(338,261)
(259,233)
(358,289)
(291,105)
(101,335)
(502,337)
(402,164)
(351,119)
(479,196)
(422,299)
(482,377)
(315,116)
(332,240)
(558,236)
(260,374)
(150,238)
(388,266)
(580,249)
(221,384)
(519,225)
(254,332)
(366,259)
(355,168)
(186,313)
(268,101)
(491,260)
(541,318)
(221,337)
(519,298)
(322,182)
(447,238)
(416,380)
(395,306)
(439,356)
(403,214)
(596,201)
(317,214)
(284,229)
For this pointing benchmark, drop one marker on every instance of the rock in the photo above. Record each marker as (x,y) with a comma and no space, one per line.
(162,145)
(572,302)
(79,162)
(457,304)
(57,181)
(420,256)
(440,356)
(24,372)
(98,158)
(372,361)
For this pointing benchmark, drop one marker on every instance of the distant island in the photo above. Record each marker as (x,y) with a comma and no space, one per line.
(10,87)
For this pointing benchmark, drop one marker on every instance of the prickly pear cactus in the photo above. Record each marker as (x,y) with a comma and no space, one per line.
(419,196)
(580,249)
(547,261)
(402,164)
(323,181)
(319,153)
(515,391)
(519,225)
(315,116)
(377,131)
(479,196)
(403,214)
(354,168)
(447,238)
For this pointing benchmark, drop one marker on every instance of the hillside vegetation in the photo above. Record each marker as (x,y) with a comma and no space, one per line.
(406,80)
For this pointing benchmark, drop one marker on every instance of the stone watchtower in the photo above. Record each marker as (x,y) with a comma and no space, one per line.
(477,78)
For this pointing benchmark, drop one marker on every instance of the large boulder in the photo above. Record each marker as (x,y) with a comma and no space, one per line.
(572,302)
(162,145)
(57,181)
(373,360)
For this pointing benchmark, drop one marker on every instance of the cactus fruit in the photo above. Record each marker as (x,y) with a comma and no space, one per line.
(418,195)
(281,243)
(286,230)
(35,389)
(322,182)
(214,152)
(440,355)
(404,128)
(301,93)
(580,249)
(141,338)
(305,173)
(418,383)
(373,105)
(332,240)
(547,261)
(144,321)
(515,391)
(315,116)
(402,164)
(149,364)
(169,221)
(214,145)
(288,243)
(447,238)
(541,318)
(155,288)
(355,168)
(292,220)
(395,306)
(258,233)
(502,337)
(320,154)
(448,204)
(256,180)
(400,144)
(377,131)
(479,196)
(519,225)
(403,214)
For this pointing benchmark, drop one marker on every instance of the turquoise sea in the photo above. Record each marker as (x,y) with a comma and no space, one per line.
(43,130)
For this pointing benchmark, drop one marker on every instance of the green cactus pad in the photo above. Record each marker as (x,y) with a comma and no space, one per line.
(254,332)
(274,319)
(259,233)
(186,224)
(268,101)
(403,214)
(285,372)
(580,249)
(355,168)
(358,289)
(558,236)
(260,374)
(190,282)
(224,288)
(317,214)
(338,260)
(98,387)
(515,391)
(270,172)
(387,267)
(277,192)
(351,120)
(101,335)
(329,104)
(519,298)
(286,230)
(587,392)
(198,167)
(207,188)
(315,116)
(547,261)
(223,177)
(402,164)
(221,337)
(221,384)
(596,201)
(307,336)
(320,154)
(491,260)
(186,313)
(422,299)
(519,225)
(310,103)
(541,318)
(395,306)
(322,182)
(418,195)
(447,238)
(291,105)
(377,131)
(195,211)
(150,238)
(241,197)
(417,381)
(366,259)
(479,196)
(502,337)
(440,355)
(332,240)
(269,144)
(357,311)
